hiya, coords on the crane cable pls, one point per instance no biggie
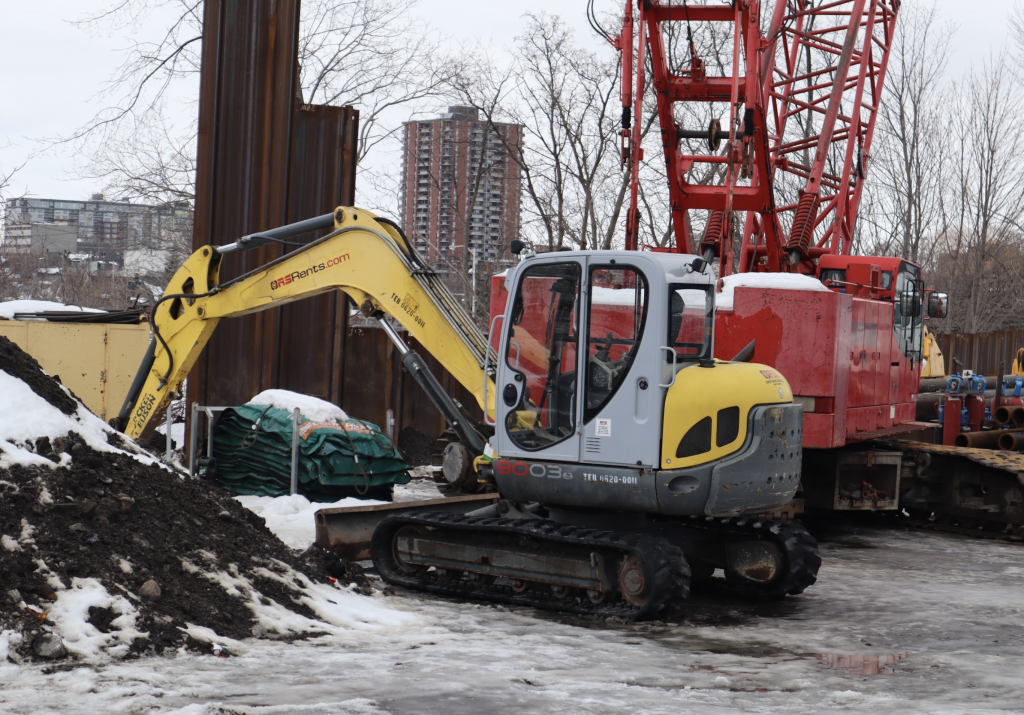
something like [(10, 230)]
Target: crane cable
[(595, 25)]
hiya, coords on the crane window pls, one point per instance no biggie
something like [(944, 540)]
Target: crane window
[(691, 320), (907, 311), (543, 343), (615, 323)]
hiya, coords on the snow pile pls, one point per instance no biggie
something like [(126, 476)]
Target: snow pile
[(291, 517), (311, 408), (781, 281), (9, 308), (34, 407), (177, 434), (70, 614), (36, 418)]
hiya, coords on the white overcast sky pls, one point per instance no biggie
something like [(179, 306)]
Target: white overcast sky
[(53, 70)]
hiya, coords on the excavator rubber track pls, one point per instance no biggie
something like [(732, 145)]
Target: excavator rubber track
[(532, 562), (798, 550)]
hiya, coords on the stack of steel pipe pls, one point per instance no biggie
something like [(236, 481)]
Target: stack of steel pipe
[(928, 404), (1010, 414), (990, 439)]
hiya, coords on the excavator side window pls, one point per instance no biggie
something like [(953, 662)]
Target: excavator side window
[(543, 344), (616, 317), (690, 321)]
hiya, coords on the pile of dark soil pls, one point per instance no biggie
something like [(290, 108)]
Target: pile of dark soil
[(416, 447), (110, 517), (17, 363)]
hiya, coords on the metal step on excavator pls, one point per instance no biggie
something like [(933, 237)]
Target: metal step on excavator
[(627, 464)]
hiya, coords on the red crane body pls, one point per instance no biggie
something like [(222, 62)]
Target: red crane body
[(798, 102), (786, 174)]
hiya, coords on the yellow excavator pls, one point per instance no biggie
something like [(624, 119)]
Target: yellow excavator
[(629, 462)]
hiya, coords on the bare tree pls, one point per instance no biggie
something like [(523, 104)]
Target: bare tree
[(979, 243), (566, 98), (373, 54), (911, 147)]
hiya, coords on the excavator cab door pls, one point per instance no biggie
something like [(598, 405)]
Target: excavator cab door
[(580, 361), (538, 405)]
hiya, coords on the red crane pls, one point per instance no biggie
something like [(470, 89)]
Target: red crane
[(802, 96)]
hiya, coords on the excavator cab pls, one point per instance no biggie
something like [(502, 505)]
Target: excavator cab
[(609, 395), (590, 337)]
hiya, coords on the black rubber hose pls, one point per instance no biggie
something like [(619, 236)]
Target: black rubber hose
[(412, 252)]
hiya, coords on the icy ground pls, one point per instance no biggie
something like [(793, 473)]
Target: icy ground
[(954, 606)]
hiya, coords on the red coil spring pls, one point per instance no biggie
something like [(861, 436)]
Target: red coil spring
[(803, 222), (714, 232)]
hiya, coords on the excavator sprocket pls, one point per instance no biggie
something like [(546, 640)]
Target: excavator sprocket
[(794, 565), (532, 562)]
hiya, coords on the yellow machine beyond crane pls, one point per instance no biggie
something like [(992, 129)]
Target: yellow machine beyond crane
[(629, 462)]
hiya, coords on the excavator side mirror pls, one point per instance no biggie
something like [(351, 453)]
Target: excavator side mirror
[(698, 265), (517, 247), (938, 305)]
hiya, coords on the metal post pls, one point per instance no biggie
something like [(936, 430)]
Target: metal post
[(473, 314), (295, 451), (193, 439), (390, 426), (170, 421)]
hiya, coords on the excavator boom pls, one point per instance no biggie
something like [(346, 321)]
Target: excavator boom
[(365, 256)]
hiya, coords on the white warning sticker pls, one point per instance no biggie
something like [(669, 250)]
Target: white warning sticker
[(892, 412), (603, 428)]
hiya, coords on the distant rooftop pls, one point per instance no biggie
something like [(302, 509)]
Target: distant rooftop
[(462, 113)]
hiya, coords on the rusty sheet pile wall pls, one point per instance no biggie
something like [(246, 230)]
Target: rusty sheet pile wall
[(981, 352), (265, 159)]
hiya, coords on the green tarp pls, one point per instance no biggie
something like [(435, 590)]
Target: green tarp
[(252, 445)]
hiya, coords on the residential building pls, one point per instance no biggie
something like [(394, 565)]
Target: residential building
[(461, 187), (102, 230), (41, 239)]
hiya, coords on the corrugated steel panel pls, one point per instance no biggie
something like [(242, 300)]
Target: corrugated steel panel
[(981, 352), (265, 161), (247, 91)]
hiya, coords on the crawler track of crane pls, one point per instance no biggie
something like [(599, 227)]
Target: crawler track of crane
[(559, 567)]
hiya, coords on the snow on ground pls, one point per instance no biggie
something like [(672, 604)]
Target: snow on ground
[(35, 417), (9, 308), (783, 281), (291, 517), (954, 606), (312, 408)]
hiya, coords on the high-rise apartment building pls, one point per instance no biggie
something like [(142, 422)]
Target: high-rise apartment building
[(461, 189)]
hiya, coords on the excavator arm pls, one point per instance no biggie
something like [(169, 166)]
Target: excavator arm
[(366, 257)]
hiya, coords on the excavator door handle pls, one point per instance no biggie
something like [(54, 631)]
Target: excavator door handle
[(672, 361)]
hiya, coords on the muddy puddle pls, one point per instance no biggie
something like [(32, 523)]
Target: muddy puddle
[(860, 664)]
